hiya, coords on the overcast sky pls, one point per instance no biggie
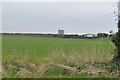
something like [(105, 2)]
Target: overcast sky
[(73, 17), (60, 0)]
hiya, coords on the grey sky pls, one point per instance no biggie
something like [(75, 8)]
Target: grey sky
[(0, 17), (74, 17), (60, 0)]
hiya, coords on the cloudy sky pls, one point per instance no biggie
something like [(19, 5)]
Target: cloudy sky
[(60, 0), (48, 17)]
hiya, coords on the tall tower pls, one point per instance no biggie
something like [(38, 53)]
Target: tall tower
[(60, 33)]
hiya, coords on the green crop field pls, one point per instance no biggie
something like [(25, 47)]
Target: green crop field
[(25, 56)]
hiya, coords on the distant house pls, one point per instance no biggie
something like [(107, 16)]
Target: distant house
[(89, 35)]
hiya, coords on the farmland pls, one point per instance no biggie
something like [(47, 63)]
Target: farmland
[(23, 56)]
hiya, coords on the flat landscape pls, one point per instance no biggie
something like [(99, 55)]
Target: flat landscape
[(46, 57)]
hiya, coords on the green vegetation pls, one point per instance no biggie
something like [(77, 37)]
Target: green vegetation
[(27, 56), (116, 41)]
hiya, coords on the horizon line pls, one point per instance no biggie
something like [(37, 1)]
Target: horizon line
[(52, 33)]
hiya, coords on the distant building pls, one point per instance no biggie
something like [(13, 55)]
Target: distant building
[(61, 32), (89, 35)]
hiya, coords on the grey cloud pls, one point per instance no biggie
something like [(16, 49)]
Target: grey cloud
[(49, 17)]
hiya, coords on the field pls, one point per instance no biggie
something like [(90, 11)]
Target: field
[(45, 57)]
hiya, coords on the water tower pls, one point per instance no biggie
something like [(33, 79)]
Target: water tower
[(60, 33)]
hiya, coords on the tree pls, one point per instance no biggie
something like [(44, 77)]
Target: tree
[(116, 41), (111, 33), (102, 35)]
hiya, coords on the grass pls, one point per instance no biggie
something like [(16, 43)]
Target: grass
[(36, 50)]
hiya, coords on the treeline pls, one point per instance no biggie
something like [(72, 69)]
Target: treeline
[(104, 35), (35, 34), (98, 35)]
